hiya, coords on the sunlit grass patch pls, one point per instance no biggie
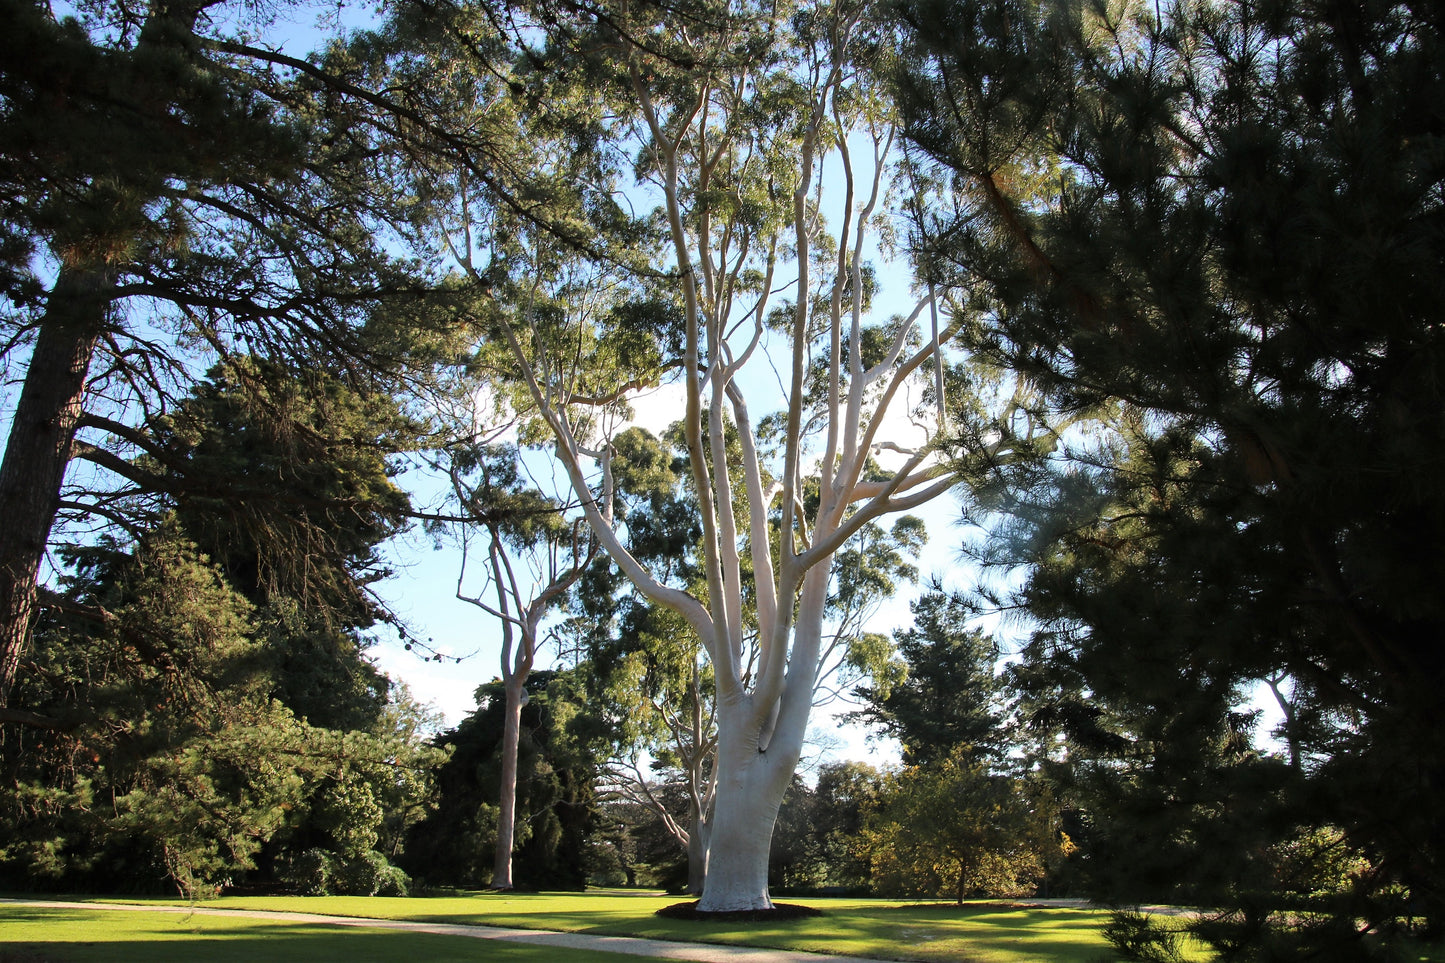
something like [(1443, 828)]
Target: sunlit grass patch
[(880, 929), (62, 935), (981, 932)]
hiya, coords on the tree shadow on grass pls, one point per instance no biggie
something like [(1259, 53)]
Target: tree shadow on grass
[(23, 954)]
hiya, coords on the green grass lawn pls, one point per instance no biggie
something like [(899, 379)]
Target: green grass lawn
[(978, 933), (881, 929), (58, 935)]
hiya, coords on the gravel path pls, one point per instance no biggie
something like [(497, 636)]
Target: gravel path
[(665, 949)]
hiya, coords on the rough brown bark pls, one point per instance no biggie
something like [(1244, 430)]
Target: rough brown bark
[(39, 448), (51, 402)]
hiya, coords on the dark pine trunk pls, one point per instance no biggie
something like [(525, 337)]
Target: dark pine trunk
[(39, 446)]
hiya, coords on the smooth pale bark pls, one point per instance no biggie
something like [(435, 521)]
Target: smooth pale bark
[(698, 835), (750, 791), (701, 790), (39, 448), (517, 657), (507, 804), (759, 745)]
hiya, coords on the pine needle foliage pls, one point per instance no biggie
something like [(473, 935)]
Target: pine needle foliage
[(1217, 228)]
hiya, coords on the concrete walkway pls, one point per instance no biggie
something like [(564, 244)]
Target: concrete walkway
[(634, 946)]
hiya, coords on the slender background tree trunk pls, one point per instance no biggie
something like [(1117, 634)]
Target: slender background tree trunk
[(39, 447), (699, 830), (507, 818)]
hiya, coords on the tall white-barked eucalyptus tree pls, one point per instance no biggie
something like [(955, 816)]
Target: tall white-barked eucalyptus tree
[(748, 118)]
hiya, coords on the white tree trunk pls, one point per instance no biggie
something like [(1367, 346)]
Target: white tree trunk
[(750, 790), (749, 506), (757, 754), (737, 874)]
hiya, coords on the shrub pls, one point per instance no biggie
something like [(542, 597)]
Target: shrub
[(369, 875), (310, 873), (1137, 937)]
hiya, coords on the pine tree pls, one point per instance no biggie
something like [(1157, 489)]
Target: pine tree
[(164, 200), (950, 698), (1235, 262)]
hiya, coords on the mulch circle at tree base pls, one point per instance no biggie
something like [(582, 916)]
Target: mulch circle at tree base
[(780, 911)]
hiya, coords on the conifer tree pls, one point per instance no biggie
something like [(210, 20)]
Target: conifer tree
[(1235, 261), (163, 201), (207, 673), (949, 698)]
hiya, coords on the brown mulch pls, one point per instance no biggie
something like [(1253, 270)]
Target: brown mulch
[(779, 912)]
